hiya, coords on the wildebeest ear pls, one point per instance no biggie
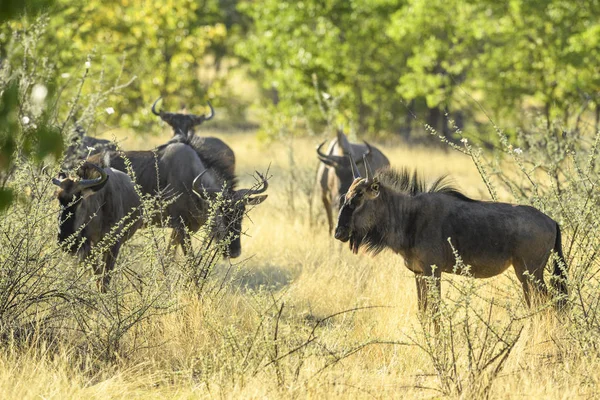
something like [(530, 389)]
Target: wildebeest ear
[(253, 201)]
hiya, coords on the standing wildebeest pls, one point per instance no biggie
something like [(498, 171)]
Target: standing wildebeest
[(171, 171), (334, 175), (394, 210), (183, 131), (91, 208)]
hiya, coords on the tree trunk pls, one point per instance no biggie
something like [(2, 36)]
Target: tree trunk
[(597, 122), (433, 119)]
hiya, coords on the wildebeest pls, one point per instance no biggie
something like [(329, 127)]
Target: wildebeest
[(99, 202), (81, 146), (334, 174), (394, 210), (183, 131), (232, 208), (170, 171)]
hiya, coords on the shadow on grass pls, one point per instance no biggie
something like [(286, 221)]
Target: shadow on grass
[(263, 277)]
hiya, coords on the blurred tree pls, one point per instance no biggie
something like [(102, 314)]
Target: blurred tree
[(541, 54), (441, 41), (342, 43), (382, 57), (162, 43), (26, 90)]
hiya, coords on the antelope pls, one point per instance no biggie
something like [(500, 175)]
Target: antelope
[(394, 210), (96, 203)]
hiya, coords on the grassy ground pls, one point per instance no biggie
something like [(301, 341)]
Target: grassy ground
[(273, 331)]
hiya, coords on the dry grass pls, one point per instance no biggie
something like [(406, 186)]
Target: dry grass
[(294, 276)]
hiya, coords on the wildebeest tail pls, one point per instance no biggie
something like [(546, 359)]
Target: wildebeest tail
[(560, 269)]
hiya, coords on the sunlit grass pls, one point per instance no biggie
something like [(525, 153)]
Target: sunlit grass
[(221, 345)]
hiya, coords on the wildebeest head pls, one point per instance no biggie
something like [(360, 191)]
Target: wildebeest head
[(182, 124), (70, 194), (231, 208), (357, 212), (341, 165)]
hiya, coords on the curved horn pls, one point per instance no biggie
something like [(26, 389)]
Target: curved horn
[(355, 172), (369, 176), (250, 192), (319, 152), (89, 183), (196, 180), (198, 189), (212, 111), (330, 160), (154, 107), (198, 119)]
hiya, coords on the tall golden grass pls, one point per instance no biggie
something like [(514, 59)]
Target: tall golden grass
[(274, 331)]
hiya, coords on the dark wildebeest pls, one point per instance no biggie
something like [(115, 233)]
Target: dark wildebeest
[(170, 171), (334, 175), (394, 210), (231, 209), (81, 146), (183, 131), (99, 202)]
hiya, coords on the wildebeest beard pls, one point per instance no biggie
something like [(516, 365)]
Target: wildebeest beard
[(372, 240), (67, 223)]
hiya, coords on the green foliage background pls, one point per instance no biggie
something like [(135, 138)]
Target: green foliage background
[(384, 67)]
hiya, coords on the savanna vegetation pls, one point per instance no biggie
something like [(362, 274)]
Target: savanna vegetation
[(504, 97)]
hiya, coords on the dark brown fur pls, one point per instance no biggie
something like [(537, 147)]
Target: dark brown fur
[(395, 210), (170, 171), (91, 214)]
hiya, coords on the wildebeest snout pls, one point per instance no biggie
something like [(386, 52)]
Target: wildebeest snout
[(342, 233)]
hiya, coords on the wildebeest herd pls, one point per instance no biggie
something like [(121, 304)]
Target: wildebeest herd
[(378, 207)]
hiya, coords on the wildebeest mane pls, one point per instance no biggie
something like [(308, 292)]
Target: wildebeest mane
[(402, 180)]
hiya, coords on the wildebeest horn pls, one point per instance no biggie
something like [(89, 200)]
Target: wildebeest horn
[(319, 152), (89, 183), (212, 111), (198, 119), (154, 107), (330, 160), (368, 171), (250, 192), (355, 172), (198, 188)]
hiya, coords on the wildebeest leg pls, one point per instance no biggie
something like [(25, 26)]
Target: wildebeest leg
[(328, 211), (100, 269), (425, 281), (179, 236), (429, 279), (531, 275), (105, 268), (421, 292)]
